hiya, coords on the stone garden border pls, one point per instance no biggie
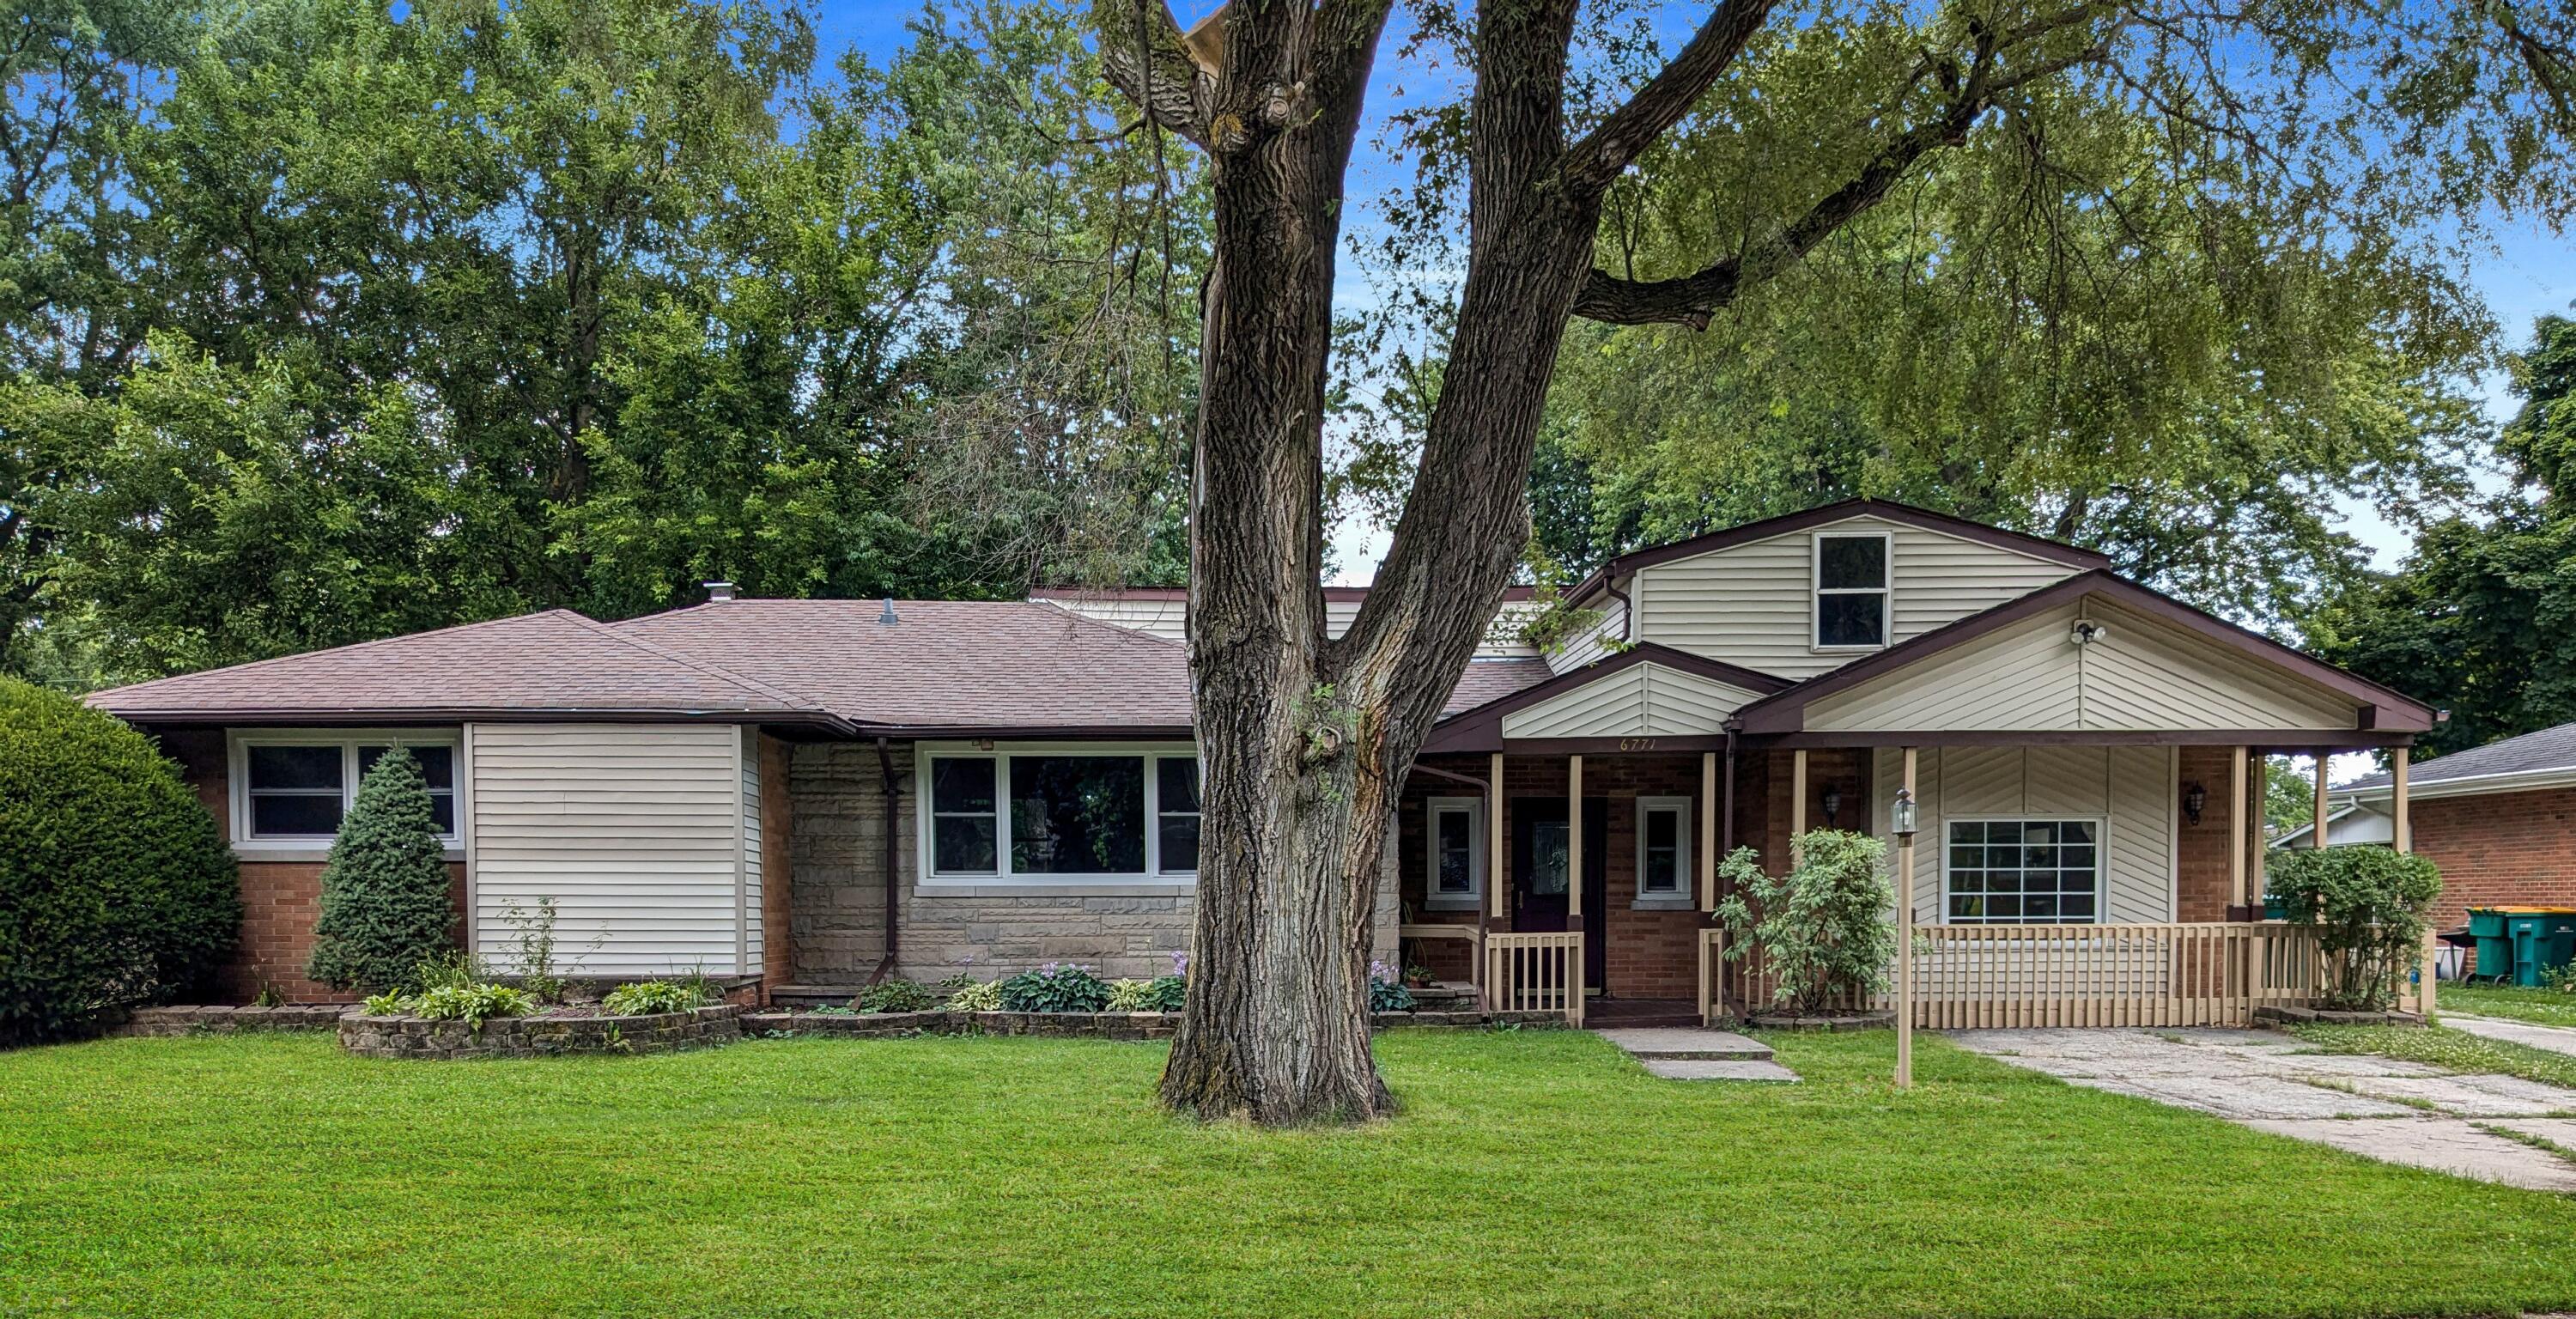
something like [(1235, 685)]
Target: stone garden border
[(530, 1037), (1084, 1025)]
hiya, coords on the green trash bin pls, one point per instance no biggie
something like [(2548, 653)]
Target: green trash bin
[(2544, 938), (2495, 945)]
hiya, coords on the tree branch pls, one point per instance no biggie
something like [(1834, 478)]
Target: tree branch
[(1615, 143), (1142, 54), (1692, 299)]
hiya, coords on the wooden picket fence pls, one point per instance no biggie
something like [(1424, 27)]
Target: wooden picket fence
[(1535, 972), (1969, 977)]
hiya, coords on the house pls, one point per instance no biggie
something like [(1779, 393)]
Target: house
[(2499, 819), (815, 792)]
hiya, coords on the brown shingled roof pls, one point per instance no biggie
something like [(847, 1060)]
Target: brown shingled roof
[(969, 668), (551, 663)]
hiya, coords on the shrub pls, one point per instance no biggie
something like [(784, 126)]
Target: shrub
[(533, 959), (975, 996), (1826, 929), (2369, 905), (1387, 995), (2560, 978), (896, 995), (1055, 988), (472, 1004), (116, 888), (385, 907), (1164, 994), (645, 998), (452, 968)]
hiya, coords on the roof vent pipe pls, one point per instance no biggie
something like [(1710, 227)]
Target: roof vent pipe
[(719, 592), (888, 617)]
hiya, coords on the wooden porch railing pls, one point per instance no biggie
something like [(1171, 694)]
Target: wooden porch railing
[(1535, 972), (1969, 977)]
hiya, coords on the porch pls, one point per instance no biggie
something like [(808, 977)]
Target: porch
[(2103, 886)]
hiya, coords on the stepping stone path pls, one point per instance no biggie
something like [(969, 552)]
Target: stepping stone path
[(1693, 1053), (2381, 1108)]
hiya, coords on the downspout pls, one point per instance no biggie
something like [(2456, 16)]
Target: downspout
[(1627, 607), (893, 797)]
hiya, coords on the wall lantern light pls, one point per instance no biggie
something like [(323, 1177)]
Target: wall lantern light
[(1901, 816), (2195, 799), (1833, 805)]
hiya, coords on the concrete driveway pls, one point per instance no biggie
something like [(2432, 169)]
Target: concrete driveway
[(2400, 1112)]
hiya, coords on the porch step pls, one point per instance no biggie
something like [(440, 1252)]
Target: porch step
[(814, 996), (1692, 1043)]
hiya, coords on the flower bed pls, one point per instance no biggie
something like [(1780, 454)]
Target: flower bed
[(555, 1031)]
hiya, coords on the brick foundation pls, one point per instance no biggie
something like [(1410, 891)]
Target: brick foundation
[(280, 899)]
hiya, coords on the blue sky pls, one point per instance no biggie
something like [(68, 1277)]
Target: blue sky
[(2531, 273)]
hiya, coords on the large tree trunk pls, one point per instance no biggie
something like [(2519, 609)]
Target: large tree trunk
[(1306, 739)]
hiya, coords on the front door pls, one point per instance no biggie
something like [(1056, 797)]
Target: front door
[(1539, 855)]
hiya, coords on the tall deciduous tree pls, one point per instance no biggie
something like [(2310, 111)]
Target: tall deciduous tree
[(2476, 620), (1307, 737)]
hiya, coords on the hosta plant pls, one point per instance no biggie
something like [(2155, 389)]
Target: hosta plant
[(649, 997), (1055, 987), (897, 995), (472, 1004)]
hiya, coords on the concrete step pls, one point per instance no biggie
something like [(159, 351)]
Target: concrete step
[(1695, 1043)]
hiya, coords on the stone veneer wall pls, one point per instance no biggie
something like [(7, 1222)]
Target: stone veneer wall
[(837, 894), (528, 1037)]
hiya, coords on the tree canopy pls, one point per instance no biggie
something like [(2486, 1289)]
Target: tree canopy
[(2475, 620), (331, 319)]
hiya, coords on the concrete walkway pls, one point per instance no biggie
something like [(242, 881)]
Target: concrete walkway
[(2556, 1039), (1694, 1053), (2400, 1112)]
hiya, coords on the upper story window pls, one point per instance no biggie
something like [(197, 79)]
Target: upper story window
[(1851, 590), (296, 787), (1049, 814), (1456, 842)]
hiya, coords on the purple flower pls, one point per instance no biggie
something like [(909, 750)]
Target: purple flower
[(1180, 963)]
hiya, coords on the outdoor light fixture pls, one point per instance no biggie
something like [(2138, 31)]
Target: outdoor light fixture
[(1833, 805), (1900, 816), (2194, 798)]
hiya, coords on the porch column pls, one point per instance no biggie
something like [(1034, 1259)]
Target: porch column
[(1574, 840), (2236, 814), (2259, 769), (1797, 804), (1497, 871), (1708, 831), (2318, 837), (2405, 830), (1905, 940)]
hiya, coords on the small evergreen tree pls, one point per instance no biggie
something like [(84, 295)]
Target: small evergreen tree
[(1825, 929), (385, 906)]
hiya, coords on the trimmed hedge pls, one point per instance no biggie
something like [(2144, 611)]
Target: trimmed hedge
[(116, 888)]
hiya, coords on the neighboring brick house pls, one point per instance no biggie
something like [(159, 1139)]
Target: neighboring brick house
[(2500, 820), (814, 793)]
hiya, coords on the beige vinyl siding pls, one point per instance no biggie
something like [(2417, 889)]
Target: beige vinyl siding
[(2143, 675), (1168, 619), (1594, 642), (1642, 699), (2130, 789), (635, 830), (1754, 604)]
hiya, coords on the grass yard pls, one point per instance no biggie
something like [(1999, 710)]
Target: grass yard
[(2451, 1050), (2547, 1007), (1539, 1173)]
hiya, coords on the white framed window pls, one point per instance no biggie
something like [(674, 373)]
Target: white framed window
[(1454, 848), (1058, 813), (290, 788), (1853, 592), (1664, 852), (2022, 871)]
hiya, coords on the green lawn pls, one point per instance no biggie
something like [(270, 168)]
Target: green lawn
[(2549, 1007), (1538, 1173), (2451, 1050)]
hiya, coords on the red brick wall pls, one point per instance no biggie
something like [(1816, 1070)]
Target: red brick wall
[(2203, 879), (279, 898), (2504, 849)]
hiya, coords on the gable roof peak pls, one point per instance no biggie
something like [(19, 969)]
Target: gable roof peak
[(2073, 556)]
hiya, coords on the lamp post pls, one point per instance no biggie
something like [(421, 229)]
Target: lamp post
[(1901, 823)]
